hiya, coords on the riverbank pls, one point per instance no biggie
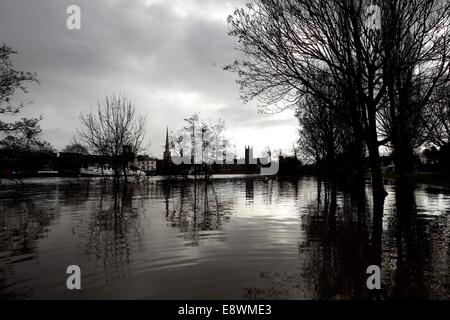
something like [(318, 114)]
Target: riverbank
[(441, 179)]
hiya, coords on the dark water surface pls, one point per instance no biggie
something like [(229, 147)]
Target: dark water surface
[(232, 238)]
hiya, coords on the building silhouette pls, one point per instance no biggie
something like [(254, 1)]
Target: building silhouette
[(249, 155)]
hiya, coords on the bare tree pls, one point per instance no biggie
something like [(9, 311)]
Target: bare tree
[(437, 120), (113, 130), (178, 142), (292, 46), (207, 141), (326, 134), (204, 142), (415, 36), (191, 128), (219, 143)]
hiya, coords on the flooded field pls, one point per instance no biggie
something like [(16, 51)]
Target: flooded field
[(228, 239)]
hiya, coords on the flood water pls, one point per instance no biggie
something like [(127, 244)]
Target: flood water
[(230, 239)]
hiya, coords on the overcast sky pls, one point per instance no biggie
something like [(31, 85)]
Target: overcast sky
[(167, 56)]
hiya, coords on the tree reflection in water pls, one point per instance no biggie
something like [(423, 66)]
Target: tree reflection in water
[(343, 233), (114, 230), (23, 221), (260, 238), (195, 208), (417, 248), (335, 246)]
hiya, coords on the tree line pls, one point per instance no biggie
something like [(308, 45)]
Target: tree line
[(359, 78), (113, 129)]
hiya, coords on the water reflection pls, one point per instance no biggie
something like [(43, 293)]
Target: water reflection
[(23, 222), (344, 234), (335, 249), (249, 195), (196, 208), (114, 230), (417, 246), (236, 238)]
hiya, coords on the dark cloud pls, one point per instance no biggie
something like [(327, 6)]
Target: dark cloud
[(167, 56)]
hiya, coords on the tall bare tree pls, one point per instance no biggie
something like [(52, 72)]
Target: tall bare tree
[(191, 129), (113, 130), (436, 118), (415, 37), (293, 48), (204, 142)]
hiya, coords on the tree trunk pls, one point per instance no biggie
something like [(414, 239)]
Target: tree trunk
[(379, 192), (374, 154)]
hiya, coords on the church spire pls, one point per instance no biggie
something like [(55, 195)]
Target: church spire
[(167, 139), (167, 155)]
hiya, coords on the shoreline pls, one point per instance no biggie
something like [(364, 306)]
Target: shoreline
[(440, 179)]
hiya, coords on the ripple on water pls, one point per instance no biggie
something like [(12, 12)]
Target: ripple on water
[(238, 238)]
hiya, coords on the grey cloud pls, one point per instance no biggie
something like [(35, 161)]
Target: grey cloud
[(168, 63)]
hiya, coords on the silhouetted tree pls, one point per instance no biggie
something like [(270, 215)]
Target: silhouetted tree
[(178, 142), (113, 130), (75, 147), (26, 138), (205, 143), (191, 130), (437, 120), (12, 80), (416, 58), (290, 47), (326, 134)]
